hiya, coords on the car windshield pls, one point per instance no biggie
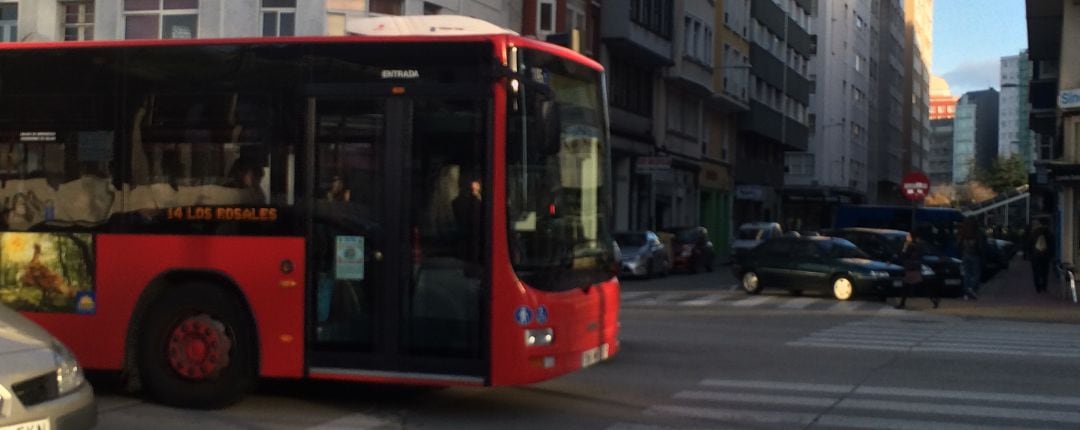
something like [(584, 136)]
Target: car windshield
[(751, 233), (840, 248), (629, 240)]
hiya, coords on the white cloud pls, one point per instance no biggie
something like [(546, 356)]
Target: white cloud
[(974, 75)]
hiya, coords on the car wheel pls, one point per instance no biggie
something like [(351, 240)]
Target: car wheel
[(842, 288), (650, 270), (750, 283)]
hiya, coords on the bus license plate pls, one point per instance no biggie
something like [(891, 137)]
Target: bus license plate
[(591, 357), (953, 282), (33, 425)]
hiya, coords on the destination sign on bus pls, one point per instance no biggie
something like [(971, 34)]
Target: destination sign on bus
[(211, 213)]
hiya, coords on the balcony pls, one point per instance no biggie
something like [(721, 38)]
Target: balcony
[(622, 34)]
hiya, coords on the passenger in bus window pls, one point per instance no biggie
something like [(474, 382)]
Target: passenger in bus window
[(247, 175), (338, 192), (468, 212)]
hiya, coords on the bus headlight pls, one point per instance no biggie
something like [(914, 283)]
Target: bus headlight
[(539, 337), (69, 374)]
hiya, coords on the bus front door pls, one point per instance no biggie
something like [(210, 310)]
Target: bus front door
[(398, 237)]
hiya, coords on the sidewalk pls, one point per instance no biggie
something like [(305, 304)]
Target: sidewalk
[(1011, 295)]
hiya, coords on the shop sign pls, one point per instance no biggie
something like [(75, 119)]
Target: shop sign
[(750, 192), (1069, 99)]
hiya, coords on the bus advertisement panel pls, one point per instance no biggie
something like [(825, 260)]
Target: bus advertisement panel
[(411, 209)]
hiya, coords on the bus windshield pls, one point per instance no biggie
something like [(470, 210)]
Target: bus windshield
[(557, 185)]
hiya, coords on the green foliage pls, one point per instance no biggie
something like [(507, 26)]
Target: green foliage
[(1006, 174)]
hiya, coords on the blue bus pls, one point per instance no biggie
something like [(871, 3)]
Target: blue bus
[(938, 225)]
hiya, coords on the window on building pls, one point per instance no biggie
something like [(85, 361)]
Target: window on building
[(654, 15), (161, 19), (9, 22), (279, 17), (388, 7), (78, 19), (576, 21), (545, 22), (631, 87)]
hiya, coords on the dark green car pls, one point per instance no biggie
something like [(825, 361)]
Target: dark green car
[(816, 264)]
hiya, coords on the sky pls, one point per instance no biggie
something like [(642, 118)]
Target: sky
[(971, 36)]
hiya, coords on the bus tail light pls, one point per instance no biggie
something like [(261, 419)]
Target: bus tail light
[(539, 337)]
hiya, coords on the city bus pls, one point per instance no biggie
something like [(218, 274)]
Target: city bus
[(403, 206)]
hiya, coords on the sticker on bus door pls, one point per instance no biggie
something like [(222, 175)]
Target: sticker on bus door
[(349, 261)]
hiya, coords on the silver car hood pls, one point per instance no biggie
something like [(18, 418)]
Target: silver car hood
[(20, 334)]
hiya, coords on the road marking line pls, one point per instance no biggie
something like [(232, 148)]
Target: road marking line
[(858, 341), (799, 303), (720, 414), (704, 301), (872, 335), (849, 346), (990, 345), (969, 395), (775, 385), (896, 424), (751, 301), (961, 410), (633, 295), (755, 398), (844, 306)]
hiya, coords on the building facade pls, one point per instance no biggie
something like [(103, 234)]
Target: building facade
[(638, 42), (918, 51), (1053, 29), (941, 165), (942, 102), (886, 106), (838, 151), (1014, 134), (975, 134), (775, 124)]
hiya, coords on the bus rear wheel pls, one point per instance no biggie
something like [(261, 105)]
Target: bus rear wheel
[(197, 348)]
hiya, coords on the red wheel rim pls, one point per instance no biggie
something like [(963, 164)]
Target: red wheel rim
[(199, 347)]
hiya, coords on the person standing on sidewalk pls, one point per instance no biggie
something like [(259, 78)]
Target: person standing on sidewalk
[(912, 259), (972, 242), (1038, 248)]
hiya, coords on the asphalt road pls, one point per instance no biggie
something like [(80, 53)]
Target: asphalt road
[(697, 355)]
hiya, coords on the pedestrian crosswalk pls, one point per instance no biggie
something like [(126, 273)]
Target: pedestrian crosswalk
[(950, 335), (741, 300), (726, 403)]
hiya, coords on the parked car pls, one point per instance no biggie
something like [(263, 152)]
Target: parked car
[(752, 234), (41, 384), (887, 245), (816, 263), (642, 254), (692, 249)]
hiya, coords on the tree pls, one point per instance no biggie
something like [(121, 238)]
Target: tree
[(1006, 174)]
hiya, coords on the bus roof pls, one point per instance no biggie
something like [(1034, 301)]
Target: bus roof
[(423, 25)]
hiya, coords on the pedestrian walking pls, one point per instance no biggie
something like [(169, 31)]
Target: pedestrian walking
[(912, 259), (1037, 250), (972, 242)]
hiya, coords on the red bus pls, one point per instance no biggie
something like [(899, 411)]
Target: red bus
[(416, 209)]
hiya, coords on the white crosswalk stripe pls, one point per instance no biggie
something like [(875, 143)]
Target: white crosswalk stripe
[(799, 303), (716, 403), (740, 300), (949, 336)]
